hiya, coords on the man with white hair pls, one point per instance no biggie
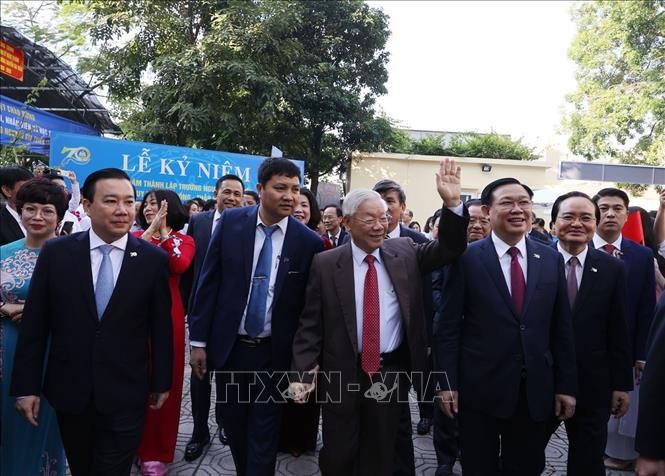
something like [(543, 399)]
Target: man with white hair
[(362, 327)]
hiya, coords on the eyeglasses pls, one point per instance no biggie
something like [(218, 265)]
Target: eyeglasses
[(584, 219), (510, 204), (383, 221), (30, 211)]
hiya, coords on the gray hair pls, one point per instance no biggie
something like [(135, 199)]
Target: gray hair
[(357, 197)]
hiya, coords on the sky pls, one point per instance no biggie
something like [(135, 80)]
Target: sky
[(480, 66)]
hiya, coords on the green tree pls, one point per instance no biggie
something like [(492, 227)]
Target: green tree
[(619, 105), (302, 75)]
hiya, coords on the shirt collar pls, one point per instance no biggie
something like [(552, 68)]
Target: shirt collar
[(282, 224), (359, 255), (396, 232), (216, 216), (96, 241), (599, 242), (566, 256), (502, 247)]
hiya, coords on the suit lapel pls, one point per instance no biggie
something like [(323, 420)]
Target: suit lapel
[(289, 248), (395, 267), (533, 273), (248, 237), (82, 260), (345, 287), (494, 270), (129, 269)]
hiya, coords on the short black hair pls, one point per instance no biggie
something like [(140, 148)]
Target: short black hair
[(53, 176), (387, 185), (255, 195), (559, 200), (188, 205), (229, 177), (12, 174), (611, 192), (210, 204), (474, 202), (314, 212), (176, 215), (337, 208), (486, 195), (200, 201), (277, 166), (88, 189), (43, 191)]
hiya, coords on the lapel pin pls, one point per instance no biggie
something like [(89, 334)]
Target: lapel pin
[(536, 255), (132, 253), (594, 270)]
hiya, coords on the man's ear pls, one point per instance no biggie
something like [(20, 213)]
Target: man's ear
[(86, 204)]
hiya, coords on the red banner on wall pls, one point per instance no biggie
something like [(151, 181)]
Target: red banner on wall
[(11, 61)]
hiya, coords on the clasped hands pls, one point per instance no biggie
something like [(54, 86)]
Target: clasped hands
[(300, 391)]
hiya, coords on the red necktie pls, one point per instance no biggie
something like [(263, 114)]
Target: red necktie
[(517, 284), (370, 359), (609, 249)]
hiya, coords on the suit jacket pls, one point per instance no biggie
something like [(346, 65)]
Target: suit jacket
[(602, 347), (650, 437), (327, 332), (223, 289), (484, 346), (200, 228), (10, 229), (343, 237), (108, 359)]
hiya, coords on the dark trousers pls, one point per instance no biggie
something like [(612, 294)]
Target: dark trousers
[(246, 399), (424, 385), (405, 463), (521, 440), (587, 437), (360, 434), (445, 438), (199, 391), (100, 443)]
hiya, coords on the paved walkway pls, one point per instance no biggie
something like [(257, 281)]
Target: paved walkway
[(217, 458)]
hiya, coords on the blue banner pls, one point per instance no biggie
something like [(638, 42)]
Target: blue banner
[(188, 172), (27, 126)]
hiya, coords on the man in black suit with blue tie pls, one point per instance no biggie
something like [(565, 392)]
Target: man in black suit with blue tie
[(245, 312), (99, 302), (229, 191), (505, 341), (596, 291)]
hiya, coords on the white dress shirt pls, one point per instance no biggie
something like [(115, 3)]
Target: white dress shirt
[(117, 254), (277, 243), (502, 248), (390, 316), (17, 217), (395, 233), (581, 257), (215, 219), (598, 242)]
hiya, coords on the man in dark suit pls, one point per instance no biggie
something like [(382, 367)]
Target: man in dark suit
[(650, 437), (229, 191), (505, 341), (363, 326), (99, 300), (332, 222), (638, 263), (11, 179), (596, 291), (246, 309)]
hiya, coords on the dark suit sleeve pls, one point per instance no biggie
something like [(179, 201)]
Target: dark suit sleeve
[(33, 335), (447, 331), (451, 243), (161, 332), (562, 342), (650, 437), (187, 278), (646, 306), (205, 295), (621, 373), (307, 342)]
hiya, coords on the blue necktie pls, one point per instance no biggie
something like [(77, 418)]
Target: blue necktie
[(256, 308), (104, 287)]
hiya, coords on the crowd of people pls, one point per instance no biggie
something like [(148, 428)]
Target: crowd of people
[(301, 312)]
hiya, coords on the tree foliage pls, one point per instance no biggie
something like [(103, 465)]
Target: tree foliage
[(242, 76), (619, 105)]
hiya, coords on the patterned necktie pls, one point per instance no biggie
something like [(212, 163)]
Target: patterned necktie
[(256, 308), (517, 283), (334, 240), (609, 249), (104, 287), (571, 280), (370, 358)]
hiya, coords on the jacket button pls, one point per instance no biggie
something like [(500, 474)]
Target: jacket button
[(522, 327)]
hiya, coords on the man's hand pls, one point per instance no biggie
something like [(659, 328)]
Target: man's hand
[(300, 391), (158, 399), (29, 408), (620, 403), (564, 406), (639, 368), (448, 183), (197, 360), (649, 467), (448, 402)]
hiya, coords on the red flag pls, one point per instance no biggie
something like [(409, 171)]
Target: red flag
[(633, 228)]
